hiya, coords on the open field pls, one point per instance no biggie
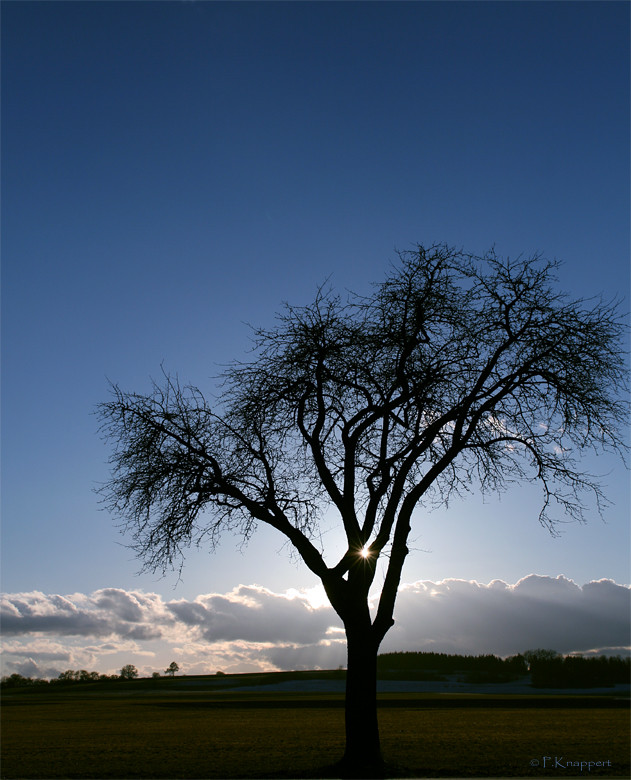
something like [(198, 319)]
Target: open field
[(144, 731)]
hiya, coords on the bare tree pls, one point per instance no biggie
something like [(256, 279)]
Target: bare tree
[(456, 371)]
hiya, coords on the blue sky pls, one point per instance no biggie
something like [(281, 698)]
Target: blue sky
[(172, 171)]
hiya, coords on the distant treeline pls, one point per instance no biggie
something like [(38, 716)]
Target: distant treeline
[(434, 666), (551, 670), (543, 668), (128, 672), (19, 681), (547, 668)]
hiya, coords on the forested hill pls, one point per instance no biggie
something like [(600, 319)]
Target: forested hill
[(546, 668), (441, 663)]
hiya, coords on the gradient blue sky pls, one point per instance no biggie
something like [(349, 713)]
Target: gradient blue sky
[(171, 171)]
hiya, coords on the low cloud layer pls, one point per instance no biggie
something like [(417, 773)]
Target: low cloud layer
[(252, 628), (462, 616)]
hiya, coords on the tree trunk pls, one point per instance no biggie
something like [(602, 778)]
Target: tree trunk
[(362, 757)]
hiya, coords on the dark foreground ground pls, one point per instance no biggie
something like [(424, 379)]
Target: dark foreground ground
[(175, 729)]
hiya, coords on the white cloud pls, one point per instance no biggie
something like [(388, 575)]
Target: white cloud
[(252, 627), (253, 613)]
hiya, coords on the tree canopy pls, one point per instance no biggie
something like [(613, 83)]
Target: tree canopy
[(128, 672), (456, 371)]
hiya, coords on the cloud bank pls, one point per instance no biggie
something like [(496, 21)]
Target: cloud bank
[(254, 629)]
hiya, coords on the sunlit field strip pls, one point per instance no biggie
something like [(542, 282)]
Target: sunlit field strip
[(178, 737)]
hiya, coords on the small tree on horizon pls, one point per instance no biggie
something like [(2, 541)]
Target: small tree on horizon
[(457, 370), (172, 669), (128, 672)]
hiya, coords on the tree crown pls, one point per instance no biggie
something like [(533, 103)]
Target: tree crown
[(456, 370)]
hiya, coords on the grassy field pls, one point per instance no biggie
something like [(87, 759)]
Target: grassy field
[(169, 733)]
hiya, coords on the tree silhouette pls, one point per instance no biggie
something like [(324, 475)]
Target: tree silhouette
[(128, 672), (456, 371), (172, 669)]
